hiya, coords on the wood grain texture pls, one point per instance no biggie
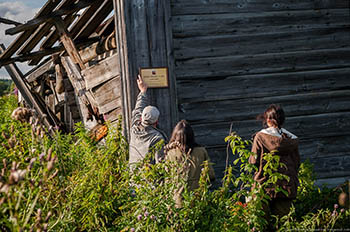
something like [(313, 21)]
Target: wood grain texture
[(149, 43), (185, 7), (100, 73), (233, 59), (263, 63)]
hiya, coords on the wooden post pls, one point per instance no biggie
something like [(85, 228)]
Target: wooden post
[(144, 39), (68, 42)]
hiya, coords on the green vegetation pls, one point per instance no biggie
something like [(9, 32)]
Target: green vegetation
[(70, 183), (5, 87)]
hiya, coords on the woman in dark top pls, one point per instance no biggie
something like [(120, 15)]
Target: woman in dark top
[(285, 144)]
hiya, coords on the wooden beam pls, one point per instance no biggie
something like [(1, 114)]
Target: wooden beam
[(39, 34), (82, 20), (68, 43), (38, 71), (43, 53), (49, 6), (8, 21), (46, 18), (95, 20)]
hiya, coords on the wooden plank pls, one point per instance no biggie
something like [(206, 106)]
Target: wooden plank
[(258, 23), (113, 115), (254, 86), (38, 71), (107, 92), (184, 7), (249, 108), (121, 16), (95, 21), (226, 45), (47, 8), (114, 104), (83, 97), (34, 23), (306, 126), (68, 43), (101, 72), (263, 63)]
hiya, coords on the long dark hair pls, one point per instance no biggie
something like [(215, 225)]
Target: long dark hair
[(275, 114), (183, 133)]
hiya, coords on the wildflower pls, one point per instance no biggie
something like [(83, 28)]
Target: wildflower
[(335, 213), (336, 206), (342, 210), (132, 229), (41, 156), (139, 217), (146, 214), (153, 217)]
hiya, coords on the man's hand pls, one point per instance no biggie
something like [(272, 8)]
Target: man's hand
[(142, 85)]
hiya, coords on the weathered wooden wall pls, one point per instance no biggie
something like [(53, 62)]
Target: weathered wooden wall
[(234, 58), (144, 38)]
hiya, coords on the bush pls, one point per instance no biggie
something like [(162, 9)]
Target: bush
[(69, 182)]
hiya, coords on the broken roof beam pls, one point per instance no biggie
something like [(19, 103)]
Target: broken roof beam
[(48, 7), (46, 52), (34, 23), (8, 21), (38, 35), (68, 42), (82, 20), (96, 20)]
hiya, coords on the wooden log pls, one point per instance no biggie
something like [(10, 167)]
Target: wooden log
[(213, 134), (255, 86), (68, 43), (249, 108), (227, 45), (34, 23), (258, 23), (101, 72), (98, 48), (263, 63), (184, 7)]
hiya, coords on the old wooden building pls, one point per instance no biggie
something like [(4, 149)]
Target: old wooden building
[(227, 60)]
